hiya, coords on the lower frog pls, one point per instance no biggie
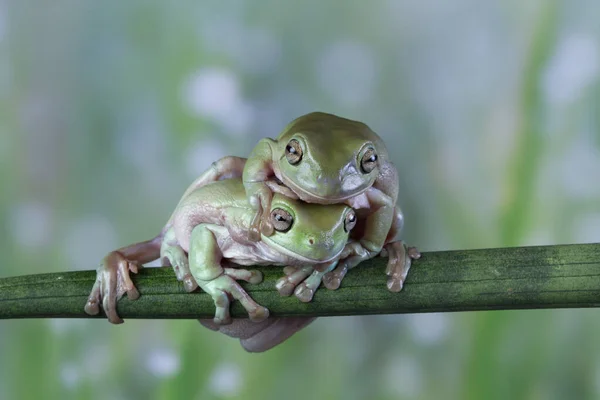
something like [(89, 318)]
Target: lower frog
[(209, 229)]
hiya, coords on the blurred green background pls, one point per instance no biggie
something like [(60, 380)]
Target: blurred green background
[(108, 110)]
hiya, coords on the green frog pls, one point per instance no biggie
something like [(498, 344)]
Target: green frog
[(209, 231)]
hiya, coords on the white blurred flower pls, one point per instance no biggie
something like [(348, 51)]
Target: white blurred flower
[(163, 362), (403, 377), (61, 326), (226, 380), (587, 228), (87, 241), (215, 93), (573, 67), (429, 329), (31, 224), (576, 168), (199, 156), (69, 375), (97, 360), (347, 72)]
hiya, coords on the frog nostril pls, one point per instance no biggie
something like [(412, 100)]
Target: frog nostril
[(311, 241)]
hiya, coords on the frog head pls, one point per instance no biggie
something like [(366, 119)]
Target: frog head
[(328, 159), (309, 232)]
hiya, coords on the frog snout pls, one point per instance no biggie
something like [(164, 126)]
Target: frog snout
[(316, 244)]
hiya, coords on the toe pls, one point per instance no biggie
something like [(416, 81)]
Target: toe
[(255, 277), (260, 314), (132, 293), (331, 281), (284, 287), (394, 284), (304, 293), (92, 308), (189, 283)]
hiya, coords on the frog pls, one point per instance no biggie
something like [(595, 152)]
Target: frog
[(207, 235), (326, 159)]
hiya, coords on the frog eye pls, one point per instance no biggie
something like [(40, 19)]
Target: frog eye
[(281, 220), (368, 161), (293, 152), (350, 221)]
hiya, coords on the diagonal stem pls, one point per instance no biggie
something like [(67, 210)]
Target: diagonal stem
[(563, 276)]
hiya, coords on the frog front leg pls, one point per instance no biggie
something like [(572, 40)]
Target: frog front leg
[(303, 281), (257, 171), (220, 283)]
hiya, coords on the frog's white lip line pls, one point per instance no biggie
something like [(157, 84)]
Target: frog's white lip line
[(329, 199), (297, 256)]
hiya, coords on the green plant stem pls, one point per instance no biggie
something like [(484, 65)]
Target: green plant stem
[(561, 276)]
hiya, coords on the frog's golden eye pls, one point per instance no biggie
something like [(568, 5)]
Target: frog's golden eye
[(281, 220), (350, 221), (293, 152), (368, 161)]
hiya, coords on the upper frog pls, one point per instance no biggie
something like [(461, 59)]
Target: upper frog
[(323, 158)]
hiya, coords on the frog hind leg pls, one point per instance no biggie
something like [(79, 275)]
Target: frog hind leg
[(220, 283), (259, 337), (113, 279)]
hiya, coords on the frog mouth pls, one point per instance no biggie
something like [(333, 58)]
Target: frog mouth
[(297, 256), (324, 200)]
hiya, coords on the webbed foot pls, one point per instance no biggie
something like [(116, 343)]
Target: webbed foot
[(332, 280), (302, 281), (294, 275), (225, 286), (112, 282), (351, 256), (399, 262)]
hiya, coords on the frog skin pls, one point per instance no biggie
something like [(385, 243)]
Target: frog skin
[(209, 229), (326, 159)]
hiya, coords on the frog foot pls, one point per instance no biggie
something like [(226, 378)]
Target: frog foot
[(352, 255), (332, 280), (177, 258), (294, 275), (303, 282), (112, 282), (399, 262), (225, 286)]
